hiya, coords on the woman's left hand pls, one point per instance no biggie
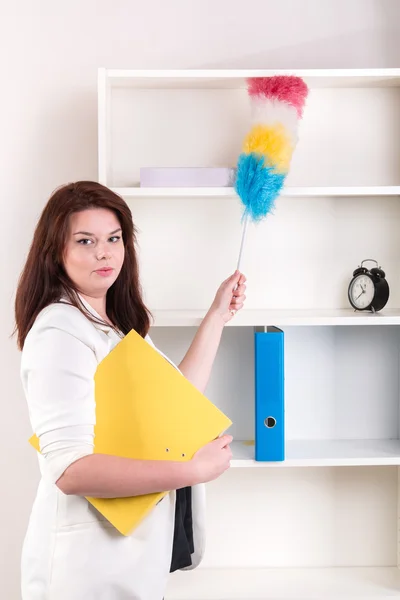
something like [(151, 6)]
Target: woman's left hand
[(227, 300)]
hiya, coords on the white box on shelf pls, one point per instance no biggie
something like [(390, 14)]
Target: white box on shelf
[(190, 177)]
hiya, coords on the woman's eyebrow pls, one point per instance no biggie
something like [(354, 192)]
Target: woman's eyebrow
[(87, 232)]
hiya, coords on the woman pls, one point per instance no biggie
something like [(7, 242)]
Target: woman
[(78, 295)]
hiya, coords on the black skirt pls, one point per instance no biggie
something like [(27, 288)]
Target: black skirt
[(183, 545)]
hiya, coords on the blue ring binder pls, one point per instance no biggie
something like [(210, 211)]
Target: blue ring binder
[(269, 395)]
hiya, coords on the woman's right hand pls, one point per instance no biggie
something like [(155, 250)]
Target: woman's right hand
[(213, 459)]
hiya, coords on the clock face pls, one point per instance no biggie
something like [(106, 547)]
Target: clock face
[(362, 291)]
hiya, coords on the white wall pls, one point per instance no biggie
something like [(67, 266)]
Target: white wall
[(49, 55)]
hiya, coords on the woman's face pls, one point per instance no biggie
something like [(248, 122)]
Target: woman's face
[(94, 252)]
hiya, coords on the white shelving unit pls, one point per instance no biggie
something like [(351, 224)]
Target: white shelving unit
[(326, 521), (289, 583), (281, 318), (323, 453), (228, 192)]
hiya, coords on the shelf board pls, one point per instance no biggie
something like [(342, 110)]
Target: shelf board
[(229, 192), (236, 78), (280, 318), (323, 453), (263, 584)]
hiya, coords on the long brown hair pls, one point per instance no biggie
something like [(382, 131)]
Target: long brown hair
[(44, 279)]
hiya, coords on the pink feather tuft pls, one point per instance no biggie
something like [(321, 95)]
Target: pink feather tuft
[(285, 88)]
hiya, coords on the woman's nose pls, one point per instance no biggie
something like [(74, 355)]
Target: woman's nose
[(103, 253)]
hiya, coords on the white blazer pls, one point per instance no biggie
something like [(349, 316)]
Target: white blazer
[(71, 552)]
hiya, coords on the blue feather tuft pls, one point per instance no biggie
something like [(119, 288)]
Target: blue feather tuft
[(257, 185)]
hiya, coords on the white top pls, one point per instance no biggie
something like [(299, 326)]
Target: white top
[(71, 552)]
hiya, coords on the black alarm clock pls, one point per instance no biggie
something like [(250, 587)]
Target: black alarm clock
[(368, 290)]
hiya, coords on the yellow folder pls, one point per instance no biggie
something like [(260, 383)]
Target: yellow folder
[(146, 409)]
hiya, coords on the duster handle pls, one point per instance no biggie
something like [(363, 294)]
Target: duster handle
[(246, 219)]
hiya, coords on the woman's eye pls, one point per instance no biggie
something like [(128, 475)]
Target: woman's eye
[(115, 238), (84, 242)]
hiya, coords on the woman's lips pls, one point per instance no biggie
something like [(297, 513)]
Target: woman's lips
[(104, 272)]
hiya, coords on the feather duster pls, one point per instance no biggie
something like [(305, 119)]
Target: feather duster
[(277, 105)]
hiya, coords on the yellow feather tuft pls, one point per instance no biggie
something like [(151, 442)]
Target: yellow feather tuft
[(273, 143)]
